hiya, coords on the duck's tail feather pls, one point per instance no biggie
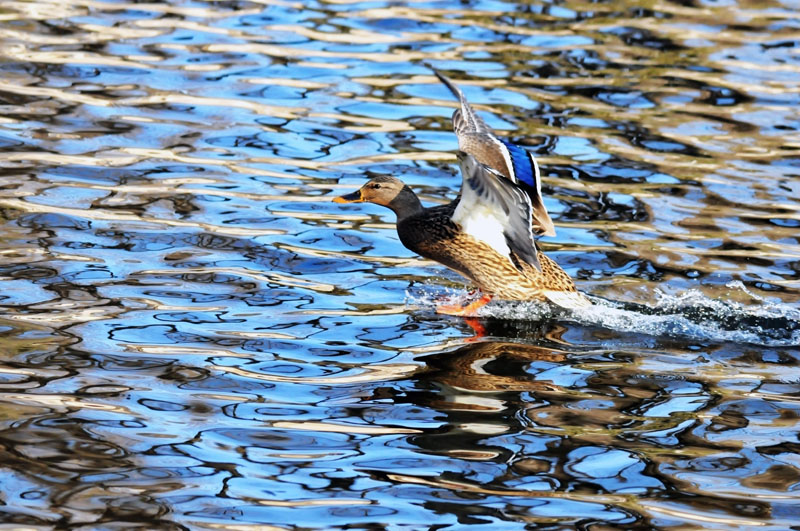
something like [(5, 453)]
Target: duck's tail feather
[(573, 300)]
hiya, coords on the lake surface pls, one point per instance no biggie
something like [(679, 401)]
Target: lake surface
[(194, 337)]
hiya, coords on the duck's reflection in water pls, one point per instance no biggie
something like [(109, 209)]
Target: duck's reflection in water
[(495, 366)]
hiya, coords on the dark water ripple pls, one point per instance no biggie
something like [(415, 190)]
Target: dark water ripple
[(194, 337)]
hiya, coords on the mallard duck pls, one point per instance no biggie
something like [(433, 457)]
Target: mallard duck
[(487, 233)]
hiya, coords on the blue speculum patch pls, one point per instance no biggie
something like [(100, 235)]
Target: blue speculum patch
[(523, 169)]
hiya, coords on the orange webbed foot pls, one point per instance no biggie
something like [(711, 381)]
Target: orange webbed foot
[(469, 310)]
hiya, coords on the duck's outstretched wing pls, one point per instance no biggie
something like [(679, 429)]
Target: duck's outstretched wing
[(515, 163), (465, 121), (496, 211)]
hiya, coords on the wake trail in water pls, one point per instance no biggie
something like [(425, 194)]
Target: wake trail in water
[(691, 315)]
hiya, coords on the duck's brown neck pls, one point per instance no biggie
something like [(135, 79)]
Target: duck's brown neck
[(405, 204)]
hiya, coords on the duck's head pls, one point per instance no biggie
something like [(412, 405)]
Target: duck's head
[(380, 190), (385, 191)]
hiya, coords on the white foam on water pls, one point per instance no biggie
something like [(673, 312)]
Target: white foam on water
[(688, 315)]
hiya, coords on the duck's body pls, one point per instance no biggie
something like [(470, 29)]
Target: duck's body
[(487, 233), (432, 233)]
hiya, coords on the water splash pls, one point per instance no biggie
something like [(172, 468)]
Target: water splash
[(691, 314)]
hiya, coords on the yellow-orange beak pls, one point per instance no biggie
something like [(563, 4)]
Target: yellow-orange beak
[(354, 197)]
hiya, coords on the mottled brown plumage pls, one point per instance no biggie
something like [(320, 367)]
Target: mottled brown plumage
[(431, 233)]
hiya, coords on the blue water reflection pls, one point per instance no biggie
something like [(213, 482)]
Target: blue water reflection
[(195, 337)]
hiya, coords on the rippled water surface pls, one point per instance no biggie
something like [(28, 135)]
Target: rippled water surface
[(195, 337)]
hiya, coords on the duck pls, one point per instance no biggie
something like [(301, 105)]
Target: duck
[(487, 233)]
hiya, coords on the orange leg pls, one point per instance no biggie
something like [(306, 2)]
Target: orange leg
[(477, 327), (464, 311)]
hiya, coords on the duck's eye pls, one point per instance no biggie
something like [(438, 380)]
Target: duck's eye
[(375, 186)]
